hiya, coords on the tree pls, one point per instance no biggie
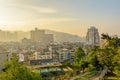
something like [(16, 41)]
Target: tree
[(105, 57), (113, 42), (107, 54), (116, 60), (92, 57), (106, 36), (84, 64), (79, 55), (15, 71)]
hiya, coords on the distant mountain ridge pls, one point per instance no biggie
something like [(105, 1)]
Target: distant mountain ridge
[(64, 37), (58, 36)]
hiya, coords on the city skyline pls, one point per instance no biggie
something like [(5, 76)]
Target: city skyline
[(69, 16)]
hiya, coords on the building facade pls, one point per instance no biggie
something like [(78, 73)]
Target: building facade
[(92, 36), (66, 55), (40, 36), (45, 56), (37, 35)]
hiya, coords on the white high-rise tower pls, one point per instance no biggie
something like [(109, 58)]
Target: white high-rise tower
[(92, 37)]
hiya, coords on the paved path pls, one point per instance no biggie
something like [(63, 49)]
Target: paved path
[(94, 78), (101, 75), (80, 76)]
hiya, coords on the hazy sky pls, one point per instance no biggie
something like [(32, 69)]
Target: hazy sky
[(71, 16)]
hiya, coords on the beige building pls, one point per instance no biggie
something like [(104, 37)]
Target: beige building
[(37, 35), (39, 56), (41, 36)]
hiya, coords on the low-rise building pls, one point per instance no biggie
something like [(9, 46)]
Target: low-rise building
[(72, 56), (41, 56), (66, 55), (23, 57)]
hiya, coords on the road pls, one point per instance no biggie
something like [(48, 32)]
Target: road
[(92, 78), (80, 76), (101, 75)]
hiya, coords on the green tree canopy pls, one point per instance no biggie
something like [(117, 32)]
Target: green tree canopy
[(93, 57), (108, 56), (79, 55), (15, 71)]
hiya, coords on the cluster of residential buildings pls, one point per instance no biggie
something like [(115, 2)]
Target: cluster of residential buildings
[(52, 54), (41, 49), (55, 53)]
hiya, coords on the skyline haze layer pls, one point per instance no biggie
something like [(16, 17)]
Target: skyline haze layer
[(69, 16)]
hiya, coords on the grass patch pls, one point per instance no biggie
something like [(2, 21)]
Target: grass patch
[(82, 78), (79, 79), (89, 75)]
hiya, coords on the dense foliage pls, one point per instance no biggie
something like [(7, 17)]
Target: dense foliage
[(15, 71), (107, 55), (79, 55), (80, 59)]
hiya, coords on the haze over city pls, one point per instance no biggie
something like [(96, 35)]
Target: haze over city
[(59, 40), (70, 16)]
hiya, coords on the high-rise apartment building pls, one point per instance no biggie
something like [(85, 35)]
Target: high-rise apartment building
[(40, 36), (92, 37), (37, 35)]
